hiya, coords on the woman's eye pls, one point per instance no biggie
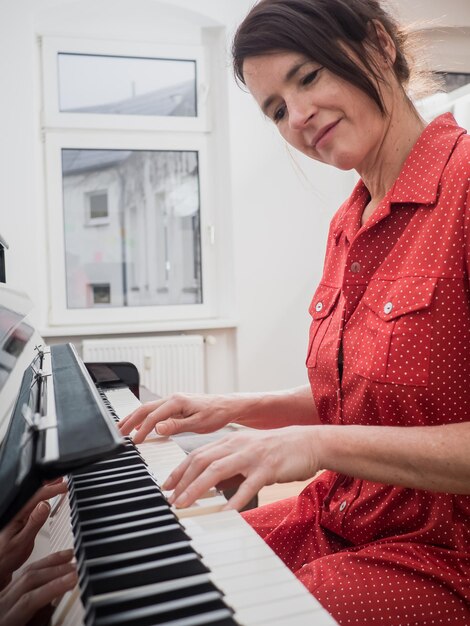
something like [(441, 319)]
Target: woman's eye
[(310, 77), (279, 114)]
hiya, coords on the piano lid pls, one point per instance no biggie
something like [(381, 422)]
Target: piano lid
[(52, 419)]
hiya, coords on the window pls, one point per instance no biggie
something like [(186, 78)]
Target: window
[(454, 80), (128, 147), (96, 202), (101, 294), (117, 85), (155, 199)]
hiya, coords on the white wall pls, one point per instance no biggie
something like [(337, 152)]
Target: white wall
[(279, 216)]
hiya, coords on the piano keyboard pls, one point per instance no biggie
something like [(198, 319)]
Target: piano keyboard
[(143, 563)]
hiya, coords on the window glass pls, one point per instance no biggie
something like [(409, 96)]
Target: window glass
[(454, 80), (97, 205), (142, 243), (101, 294), (119, 85)]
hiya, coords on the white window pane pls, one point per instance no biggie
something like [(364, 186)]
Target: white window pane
[(139, 243), (121, 85)]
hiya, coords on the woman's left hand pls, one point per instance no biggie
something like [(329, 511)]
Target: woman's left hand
[(261, 457)]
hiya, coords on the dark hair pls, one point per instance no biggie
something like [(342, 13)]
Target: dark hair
[(316, 29)]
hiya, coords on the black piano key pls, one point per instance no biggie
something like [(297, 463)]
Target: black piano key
[(142, 512), (160, 613), (147, 596), (215, 618), (135, 557), (222, 617), (117, 463), (116, 474), (171, 568), (114, 520), (124, 458), (134, 541), (110, 486), (118, 492), (127, 527), (116, 507)]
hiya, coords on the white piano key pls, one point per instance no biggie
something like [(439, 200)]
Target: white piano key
[(69, 611), (247, 581), (278, 609), (241, 544), (320, 618), (200, 620), (123, 401), (285, 590)]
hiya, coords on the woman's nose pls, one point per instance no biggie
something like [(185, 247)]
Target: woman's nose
[(300, 113)]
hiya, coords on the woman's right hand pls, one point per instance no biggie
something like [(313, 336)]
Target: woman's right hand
[(182, 413)]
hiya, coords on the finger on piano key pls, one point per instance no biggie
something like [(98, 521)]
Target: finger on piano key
[(162, 455)]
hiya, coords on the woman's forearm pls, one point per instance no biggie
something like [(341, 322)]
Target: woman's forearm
[(278, 409), (434, 458)]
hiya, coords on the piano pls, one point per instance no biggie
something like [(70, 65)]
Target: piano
[(140, 561)]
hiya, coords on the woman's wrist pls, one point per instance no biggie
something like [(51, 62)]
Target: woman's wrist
[(276, 409)]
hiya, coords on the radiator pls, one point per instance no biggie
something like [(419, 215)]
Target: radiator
[(166, 364)]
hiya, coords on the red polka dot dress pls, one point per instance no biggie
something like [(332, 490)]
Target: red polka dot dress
[(390, 345)]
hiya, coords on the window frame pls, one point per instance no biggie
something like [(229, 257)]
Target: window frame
[(53, 117), (59, 314), (62, 130)]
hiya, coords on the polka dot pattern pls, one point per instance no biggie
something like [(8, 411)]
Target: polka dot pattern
[(394, 301)]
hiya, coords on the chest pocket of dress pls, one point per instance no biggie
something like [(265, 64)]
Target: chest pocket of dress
[(321, 309), (394, 338)]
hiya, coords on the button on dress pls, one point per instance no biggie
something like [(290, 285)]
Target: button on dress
[(389, 345)]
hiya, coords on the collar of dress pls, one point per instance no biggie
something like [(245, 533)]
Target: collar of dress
[(424, 166)]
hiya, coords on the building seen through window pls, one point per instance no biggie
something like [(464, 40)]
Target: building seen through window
[(141, 237)]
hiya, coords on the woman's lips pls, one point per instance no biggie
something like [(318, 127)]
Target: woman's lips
[(325, 134)]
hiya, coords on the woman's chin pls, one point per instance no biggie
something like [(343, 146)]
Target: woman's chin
[(344, 162)]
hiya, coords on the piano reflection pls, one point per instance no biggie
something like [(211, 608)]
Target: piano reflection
[(139, 561)]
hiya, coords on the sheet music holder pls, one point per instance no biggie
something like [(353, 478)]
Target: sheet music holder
[(53, 417), (3, 247)]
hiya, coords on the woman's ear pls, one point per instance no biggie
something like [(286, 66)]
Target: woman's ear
[(385, 44)]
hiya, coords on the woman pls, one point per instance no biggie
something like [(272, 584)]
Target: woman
[(383, 535)]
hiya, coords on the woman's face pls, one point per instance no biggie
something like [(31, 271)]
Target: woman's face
[(317, 112)]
